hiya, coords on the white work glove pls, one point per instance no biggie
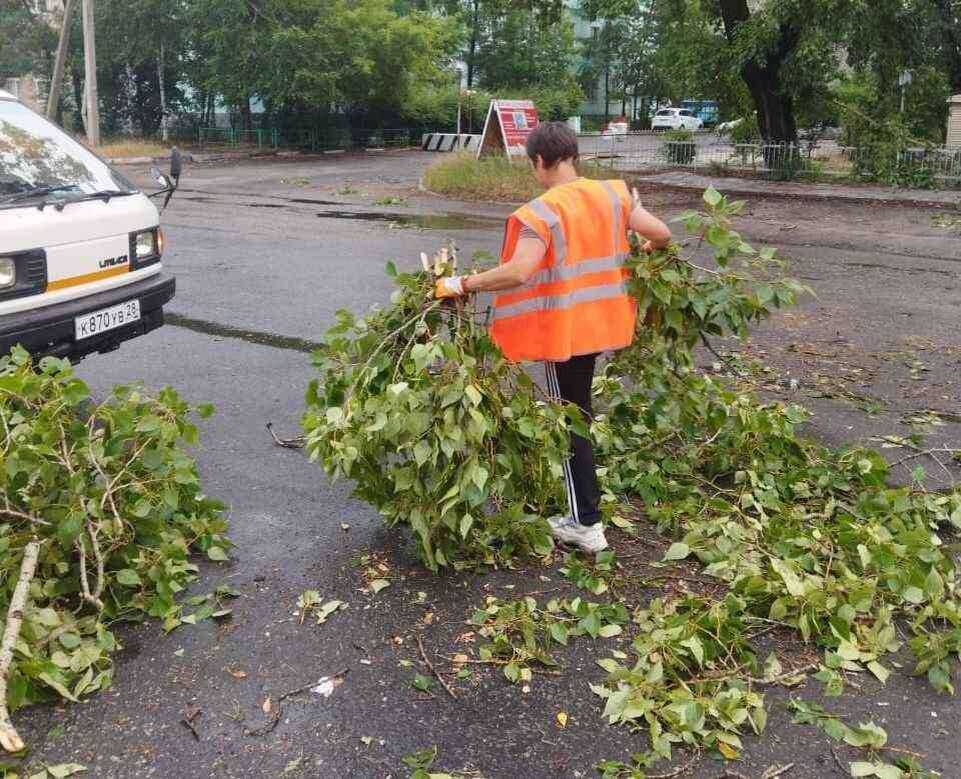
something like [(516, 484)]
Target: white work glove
[(449, 287)]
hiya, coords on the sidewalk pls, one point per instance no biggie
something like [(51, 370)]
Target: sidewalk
[(752, 187)]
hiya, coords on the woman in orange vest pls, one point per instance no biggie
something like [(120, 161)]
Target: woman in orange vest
[(564, 298)]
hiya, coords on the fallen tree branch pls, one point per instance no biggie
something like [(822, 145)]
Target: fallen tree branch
[(9, 512), (288, 443), (430, 666), (787, 675), (773, 772), (85, 592), (9, 738)]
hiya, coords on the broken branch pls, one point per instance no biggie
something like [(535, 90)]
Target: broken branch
[(430, 666), (9, 738)]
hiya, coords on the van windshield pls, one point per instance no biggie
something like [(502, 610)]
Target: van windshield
[(37, 155)]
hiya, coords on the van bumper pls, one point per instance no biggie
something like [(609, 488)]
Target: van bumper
[(49, 330)]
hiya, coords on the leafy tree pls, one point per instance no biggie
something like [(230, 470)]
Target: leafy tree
[(25, 39), (948, 25)]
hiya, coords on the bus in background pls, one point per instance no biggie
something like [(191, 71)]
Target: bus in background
[(706, 110)]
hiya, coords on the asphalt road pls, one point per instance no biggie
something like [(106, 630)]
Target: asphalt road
[(265, 253)]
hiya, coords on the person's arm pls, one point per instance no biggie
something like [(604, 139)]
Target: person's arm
[(512, 274), (657, 233), (515, 273)]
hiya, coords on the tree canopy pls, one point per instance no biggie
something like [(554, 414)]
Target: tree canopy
[(371, 62)]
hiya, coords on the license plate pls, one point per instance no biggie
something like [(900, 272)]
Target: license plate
[(105, 319)]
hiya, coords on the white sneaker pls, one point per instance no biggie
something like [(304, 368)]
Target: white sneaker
[(589, 538)]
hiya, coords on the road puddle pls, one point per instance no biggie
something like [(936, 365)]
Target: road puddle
[(422, 221)]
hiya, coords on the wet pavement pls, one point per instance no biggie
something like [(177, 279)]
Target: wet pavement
[(259, 279)]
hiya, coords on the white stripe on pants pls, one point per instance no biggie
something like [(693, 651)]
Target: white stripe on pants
[(554, 390)]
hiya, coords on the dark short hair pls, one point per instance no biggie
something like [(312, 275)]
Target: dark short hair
[(553, 142)]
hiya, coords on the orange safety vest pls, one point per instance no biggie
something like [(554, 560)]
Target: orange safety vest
[(577, 300)]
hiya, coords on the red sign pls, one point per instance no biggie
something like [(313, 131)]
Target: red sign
[(514, 120)]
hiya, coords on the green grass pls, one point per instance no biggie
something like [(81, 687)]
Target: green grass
[(464, 176)]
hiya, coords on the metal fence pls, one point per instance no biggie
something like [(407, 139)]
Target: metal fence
[(709, 153), (309, 139)]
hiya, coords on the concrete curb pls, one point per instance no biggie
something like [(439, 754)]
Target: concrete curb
[(645, 184), (918, 199), (421, 187)]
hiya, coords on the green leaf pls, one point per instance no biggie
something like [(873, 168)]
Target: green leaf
[(50, 681), (47, 617), (128, 578), (377, 585), (422, 683), (879, 671), (65, 769), (913, 595), (422, 452), (712, 197), (558, 632), (217, 553), (939, 677), (697, 648), (677, 551), (862, 768), (324, 611), (789, 577)]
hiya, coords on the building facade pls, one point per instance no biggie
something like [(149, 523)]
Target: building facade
[(954, 122), (30, 88)]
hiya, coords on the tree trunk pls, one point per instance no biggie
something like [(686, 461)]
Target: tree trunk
[(163, 95), (246, 117), (472, 51), (77, 78), (775, 108)]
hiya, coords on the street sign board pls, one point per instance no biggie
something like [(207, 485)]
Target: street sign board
[(508, 124)]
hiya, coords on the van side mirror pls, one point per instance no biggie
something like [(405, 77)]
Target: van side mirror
[(159, 177)]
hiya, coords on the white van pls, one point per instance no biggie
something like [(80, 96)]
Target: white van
[(80, 246)]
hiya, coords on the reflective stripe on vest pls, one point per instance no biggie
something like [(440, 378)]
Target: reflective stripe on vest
[(564, 273), (549, 302)]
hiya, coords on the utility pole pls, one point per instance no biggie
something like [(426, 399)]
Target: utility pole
[(53, 99), (90, 74)]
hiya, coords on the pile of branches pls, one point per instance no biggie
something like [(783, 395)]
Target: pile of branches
[(437, 430), (419, 408), (101, 509)]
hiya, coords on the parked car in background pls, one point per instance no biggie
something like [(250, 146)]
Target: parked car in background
[(676, 119), (616, 126)]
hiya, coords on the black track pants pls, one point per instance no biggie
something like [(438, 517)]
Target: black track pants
[(571, 381)]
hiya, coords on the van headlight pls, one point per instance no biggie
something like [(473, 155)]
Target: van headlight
[(8, 272), (146, 246)]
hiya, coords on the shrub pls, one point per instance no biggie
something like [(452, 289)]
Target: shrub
[(492, 178), (680, 147)]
